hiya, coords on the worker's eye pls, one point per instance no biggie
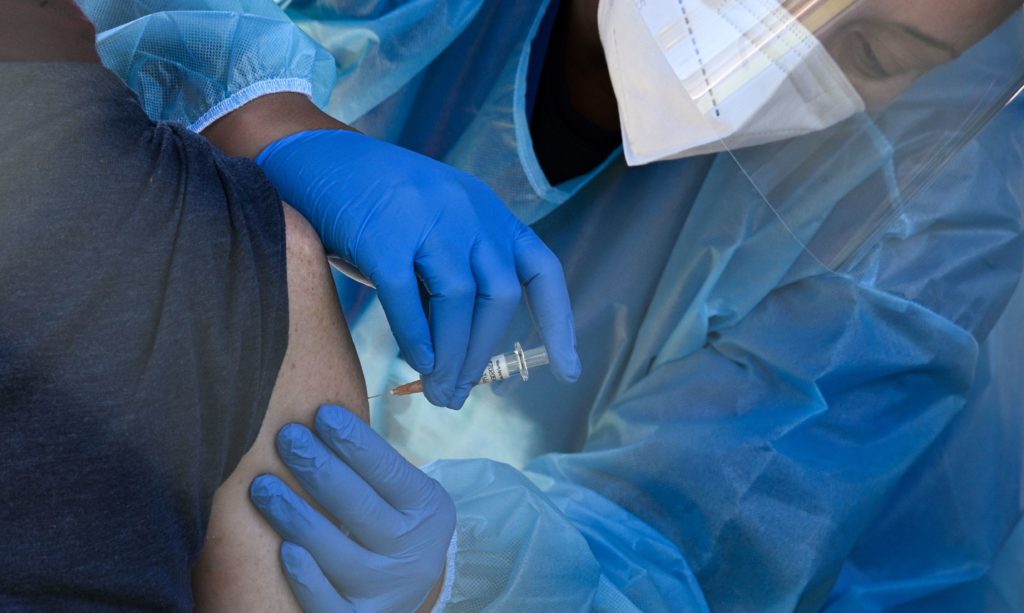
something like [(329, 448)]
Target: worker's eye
[(867, 60)]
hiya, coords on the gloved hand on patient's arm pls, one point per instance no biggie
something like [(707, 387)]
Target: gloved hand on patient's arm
[(400, 217), (397, 524)]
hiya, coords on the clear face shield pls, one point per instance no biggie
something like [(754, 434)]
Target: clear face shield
[(839, 112)]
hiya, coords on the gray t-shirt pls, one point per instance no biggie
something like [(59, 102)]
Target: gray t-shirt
[(143, 320)]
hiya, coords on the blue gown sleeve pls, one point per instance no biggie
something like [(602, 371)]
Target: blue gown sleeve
[(194, 61)]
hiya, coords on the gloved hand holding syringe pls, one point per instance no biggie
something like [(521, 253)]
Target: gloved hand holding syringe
[(500, 367)]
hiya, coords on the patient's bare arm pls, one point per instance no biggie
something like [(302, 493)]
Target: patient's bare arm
[(51, 31), (239, 568)]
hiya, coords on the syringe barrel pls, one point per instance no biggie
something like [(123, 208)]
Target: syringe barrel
[(517, 362), (502, 366)]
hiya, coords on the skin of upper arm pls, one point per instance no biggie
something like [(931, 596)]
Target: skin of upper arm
[(50, 31), (239, 568)]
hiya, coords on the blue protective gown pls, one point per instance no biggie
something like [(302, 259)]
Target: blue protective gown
[(753, 430)]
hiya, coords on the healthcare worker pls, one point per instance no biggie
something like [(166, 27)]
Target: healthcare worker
[(790, 367)]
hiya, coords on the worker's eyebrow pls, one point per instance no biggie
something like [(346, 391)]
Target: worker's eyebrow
[(929, 40)]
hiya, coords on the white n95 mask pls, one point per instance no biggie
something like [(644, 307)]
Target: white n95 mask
[(703, 76)]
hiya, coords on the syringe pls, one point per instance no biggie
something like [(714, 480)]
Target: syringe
[(501, 367)]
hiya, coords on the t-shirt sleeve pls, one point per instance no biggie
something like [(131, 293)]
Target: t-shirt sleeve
[(143, 320)]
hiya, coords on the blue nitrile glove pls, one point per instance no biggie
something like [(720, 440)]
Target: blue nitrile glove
[(395, 214), (398, 522)]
